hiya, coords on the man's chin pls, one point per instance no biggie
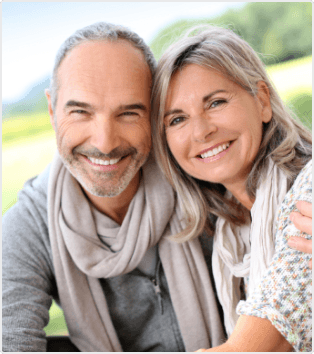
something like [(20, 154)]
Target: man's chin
[(99, 192)]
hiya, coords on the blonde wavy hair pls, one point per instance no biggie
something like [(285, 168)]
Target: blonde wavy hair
[(287, 142)]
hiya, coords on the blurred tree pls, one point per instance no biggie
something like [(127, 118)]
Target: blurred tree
[(279, 31)]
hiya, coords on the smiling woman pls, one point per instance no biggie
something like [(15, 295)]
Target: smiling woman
[(231, 116), (232, 150)]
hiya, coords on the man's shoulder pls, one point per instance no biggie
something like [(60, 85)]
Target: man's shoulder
[(25, 236), (38, 184)]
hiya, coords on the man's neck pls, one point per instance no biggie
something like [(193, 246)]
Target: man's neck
[(116, 207)]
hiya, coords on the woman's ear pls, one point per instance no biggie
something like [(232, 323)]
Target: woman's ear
[(264, 100)]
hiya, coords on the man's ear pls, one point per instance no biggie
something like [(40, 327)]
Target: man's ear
[(50, 110), (263, 97)]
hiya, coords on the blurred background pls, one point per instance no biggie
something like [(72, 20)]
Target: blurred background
[(281, 32)]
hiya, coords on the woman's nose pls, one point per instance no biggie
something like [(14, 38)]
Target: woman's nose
[(202, 128)]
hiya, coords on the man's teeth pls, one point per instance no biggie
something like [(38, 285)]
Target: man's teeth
[(215, 151), (104, 162)]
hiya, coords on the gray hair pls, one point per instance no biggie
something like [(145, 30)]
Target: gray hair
[(285, 140), (100, 31)]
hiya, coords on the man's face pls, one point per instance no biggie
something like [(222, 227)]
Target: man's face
[(101, 118)]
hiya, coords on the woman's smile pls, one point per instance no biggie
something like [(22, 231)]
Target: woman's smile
[(213, 126), (214, 153)]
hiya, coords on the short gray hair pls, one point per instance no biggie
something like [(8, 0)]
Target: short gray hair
[(99, 31), (286, 141)]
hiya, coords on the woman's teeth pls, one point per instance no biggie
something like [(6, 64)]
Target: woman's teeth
[(104, 162), (215, 151)]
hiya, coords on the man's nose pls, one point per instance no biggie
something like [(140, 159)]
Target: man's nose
[(202, 127), (105, 134)]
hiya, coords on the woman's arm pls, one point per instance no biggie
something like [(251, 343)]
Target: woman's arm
[(302, 221), (253, 334), (277, 316)]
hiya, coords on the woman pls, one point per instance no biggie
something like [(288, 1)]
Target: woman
[(230, 147)]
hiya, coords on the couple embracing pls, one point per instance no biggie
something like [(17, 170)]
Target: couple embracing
[(177, 247)]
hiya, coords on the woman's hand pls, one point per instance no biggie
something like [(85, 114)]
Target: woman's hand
[(302, 221)]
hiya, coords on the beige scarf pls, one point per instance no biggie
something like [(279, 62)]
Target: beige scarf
[(247, 250), (80, 258)]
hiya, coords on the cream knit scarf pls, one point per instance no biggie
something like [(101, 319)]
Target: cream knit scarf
[(80, 258), (247, 250)]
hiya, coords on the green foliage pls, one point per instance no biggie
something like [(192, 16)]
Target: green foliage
[(301, 104), (279, 30), (56, 325), (20, 127)]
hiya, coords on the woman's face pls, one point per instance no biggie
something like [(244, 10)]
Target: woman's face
[(213, 126)]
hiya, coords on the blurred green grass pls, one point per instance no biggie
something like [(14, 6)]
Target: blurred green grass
[(28, 144), (56, 325)]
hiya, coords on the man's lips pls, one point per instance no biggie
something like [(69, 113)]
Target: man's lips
[(104, 162), (104, 165)]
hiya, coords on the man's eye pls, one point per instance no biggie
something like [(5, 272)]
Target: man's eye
[(79, 111), (129, 113)]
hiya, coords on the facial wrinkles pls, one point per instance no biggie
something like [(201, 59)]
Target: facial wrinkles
[(118, 152), (98, 75)]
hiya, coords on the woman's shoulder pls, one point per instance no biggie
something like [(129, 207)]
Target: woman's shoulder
[(304, 178), (301, 188), (305, 174)]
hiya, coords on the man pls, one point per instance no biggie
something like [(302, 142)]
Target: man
[(91, 230)]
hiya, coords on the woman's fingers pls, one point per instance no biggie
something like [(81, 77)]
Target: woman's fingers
[(301, 244), (305, 208), (303, 219)]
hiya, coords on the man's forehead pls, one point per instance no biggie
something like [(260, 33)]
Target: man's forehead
[(104, 56), (104, 69)]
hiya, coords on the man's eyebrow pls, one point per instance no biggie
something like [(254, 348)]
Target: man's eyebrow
[(205, 99), (139, 106), (73, 103)]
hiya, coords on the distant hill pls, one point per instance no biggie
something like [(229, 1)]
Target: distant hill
[(34, 101)]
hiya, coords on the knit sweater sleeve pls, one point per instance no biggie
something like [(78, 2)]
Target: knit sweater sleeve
[(284, 295), (28, 279)]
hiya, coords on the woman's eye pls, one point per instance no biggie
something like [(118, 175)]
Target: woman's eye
[(176, 121), (217, 103)]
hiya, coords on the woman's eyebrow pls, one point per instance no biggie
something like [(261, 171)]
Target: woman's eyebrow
[(207, 97), (173, 111)]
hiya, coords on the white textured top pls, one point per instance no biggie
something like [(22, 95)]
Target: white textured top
[(284, 295)]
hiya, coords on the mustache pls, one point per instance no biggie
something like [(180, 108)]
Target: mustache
[(116, 153)]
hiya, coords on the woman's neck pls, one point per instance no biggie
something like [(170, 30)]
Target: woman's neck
[(238, 190)]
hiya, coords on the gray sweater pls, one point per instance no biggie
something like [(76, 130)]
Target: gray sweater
[(142, 315)]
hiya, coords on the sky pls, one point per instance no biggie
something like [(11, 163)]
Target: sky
[(32, 32)]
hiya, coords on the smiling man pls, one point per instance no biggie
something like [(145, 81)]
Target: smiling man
[(101, 120), (91, 230)]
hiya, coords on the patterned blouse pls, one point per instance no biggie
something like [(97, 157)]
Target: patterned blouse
[(284, 295)]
